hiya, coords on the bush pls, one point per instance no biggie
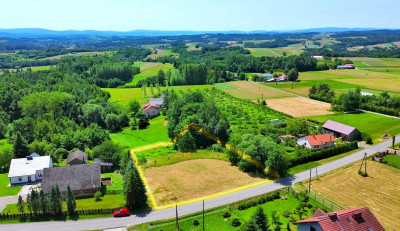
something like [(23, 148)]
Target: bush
[(196, 222), (261, 200), (226, 215), (97, 196), (287, 213), (236, 222), (142, 159)]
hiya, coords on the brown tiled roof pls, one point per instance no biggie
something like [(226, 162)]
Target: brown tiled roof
[(78, 177), (346, 220), (320, 139)]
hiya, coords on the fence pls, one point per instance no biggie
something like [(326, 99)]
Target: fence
[(7, 216), (112, 192), (317, 198)]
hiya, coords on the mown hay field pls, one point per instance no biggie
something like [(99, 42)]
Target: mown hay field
[(299, 106), (251, 90), (379, 191), (195, 178)]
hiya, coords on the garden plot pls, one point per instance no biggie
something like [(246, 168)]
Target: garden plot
[(299, 106), (379, 191), (195, 178)]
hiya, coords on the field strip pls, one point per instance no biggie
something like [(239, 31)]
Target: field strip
[(248, 158)]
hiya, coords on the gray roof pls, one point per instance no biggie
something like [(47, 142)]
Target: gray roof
[(25, 167), (99, 161), (78, 154), (78, 177), (338, 127), (156, 101)]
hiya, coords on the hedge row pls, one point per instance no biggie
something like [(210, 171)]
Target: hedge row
[(380, 109), (259, 201), (324, 153)]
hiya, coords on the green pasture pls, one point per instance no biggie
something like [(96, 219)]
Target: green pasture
[(139, 64), (149, 72), (225, 86), (369, 123), (156, 132), (393, 160)]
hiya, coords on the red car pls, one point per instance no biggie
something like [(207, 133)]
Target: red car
[(121, 213)]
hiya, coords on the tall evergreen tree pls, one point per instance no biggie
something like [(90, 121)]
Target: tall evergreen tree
[(134, 190), (20, 204), (55, 200), (260, 218), (20, 146), (250, 226), (71, 203), (44, 202)]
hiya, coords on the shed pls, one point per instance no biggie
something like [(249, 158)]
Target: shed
[(77, 157), (341, 130)]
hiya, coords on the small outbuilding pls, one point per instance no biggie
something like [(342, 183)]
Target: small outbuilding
[(84, 179), (77, 157), (340, 130)]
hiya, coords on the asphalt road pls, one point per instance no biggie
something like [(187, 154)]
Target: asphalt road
[(108, 223)]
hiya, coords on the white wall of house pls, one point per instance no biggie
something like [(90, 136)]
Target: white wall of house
[(307, 227), (303, 142), (22, 179)]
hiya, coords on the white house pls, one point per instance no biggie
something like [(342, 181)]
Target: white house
[(29, 169), (317, 142), (366, 94)]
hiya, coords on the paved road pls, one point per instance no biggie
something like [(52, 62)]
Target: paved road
[(109, 223)]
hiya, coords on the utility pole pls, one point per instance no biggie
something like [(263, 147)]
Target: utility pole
[(177, 220), (309, 184), (393, 141), (203, 217), (365, 156), (316, 171)]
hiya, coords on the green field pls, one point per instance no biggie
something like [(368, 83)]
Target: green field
[(372, 124), (275, 52), (116, 179), (156, 132), (149, 72), (215, 221), (393, 160), (139, 64), (4, 189)]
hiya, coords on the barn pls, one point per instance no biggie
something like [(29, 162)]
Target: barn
[(339, 130)]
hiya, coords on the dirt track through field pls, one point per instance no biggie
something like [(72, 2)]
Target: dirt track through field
[(194, 178), (380, 191), (299, 106)]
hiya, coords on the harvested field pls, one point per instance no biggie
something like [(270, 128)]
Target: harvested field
[(299, 106), (250, 90), (378, 84), (379, 191), (194, 179)]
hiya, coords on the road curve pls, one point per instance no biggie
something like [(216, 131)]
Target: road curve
[(108, 223)]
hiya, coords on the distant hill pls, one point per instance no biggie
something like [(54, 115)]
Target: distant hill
[(38, 32)]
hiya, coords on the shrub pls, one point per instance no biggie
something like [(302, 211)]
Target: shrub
[(236, 222), (261, 200), (196, 222), (226, 215), (287, 213), (97, 196), (142, 159)]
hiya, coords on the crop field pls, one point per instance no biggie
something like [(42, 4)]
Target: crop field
[(250, 90), (379, 191), (276, 52), (147, 71), (299, 106), (156, 132), (194, 179), (372, 124), (378, 84)]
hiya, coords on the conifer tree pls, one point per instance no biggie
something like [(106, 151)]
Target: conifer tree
[(20, 146), (71, 203), (20, 204), (44, 202), (260, 219), (134, 190)]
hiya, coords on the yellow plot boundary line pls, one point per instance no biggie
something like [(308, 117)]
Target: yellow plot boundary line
[(215, 139)]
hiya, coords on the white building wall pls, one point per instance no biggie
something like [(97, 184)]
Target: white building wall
[(24, 179), (303, 142)]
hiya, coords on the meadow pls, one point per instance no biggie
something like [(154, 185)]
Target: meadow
[(378, 191), (149, 72), (393, 160), (369, 123), (276, 52)]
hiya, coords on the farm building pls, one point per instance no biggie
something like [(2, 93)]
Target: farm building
[(105, 166), (341, 130), (77, 157), (281, 78), (346, 66), (267, 76), (29, 169), (153, 105), (317, 142), (84, 179), (342, 220)]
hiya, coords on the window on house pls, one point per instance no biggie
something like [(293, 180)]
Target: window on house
[(369, 229), (19, 178), (312, 228)]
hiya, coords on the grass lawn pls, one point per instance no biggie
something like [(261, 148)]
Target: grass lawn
[(57, 218), (116, 179), (393, 160), (156, 132), (4, 189), (372, 124), (149, 72)]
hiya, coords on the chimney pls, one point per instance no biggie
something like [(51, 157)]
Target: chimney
[(357, 214), (333, 216)]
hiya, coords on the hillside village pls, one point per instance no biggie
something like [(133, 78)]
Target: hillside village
[(191, 130)]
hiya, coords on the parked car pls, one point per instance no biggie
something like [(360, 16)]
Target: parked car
[(121, 213)]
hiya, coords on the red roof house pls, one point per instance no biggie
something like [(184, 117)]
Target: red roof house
[(150, 109), (317, 141), (342, 220)]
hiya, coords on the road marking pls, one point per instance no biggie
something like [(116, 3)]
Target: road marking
[(231, 148)]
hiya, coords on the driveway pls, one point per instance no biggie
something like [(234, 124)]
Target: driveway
[(112, 223)]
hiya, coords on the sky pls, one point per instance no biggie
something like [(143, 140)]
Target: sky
[(204, 15)]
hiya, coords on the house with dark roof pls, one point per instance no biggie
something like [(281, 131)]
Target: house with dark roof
[(340, 130), (105, 166), (342, 220), (317, 141), (84, 179), (77, 157)]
